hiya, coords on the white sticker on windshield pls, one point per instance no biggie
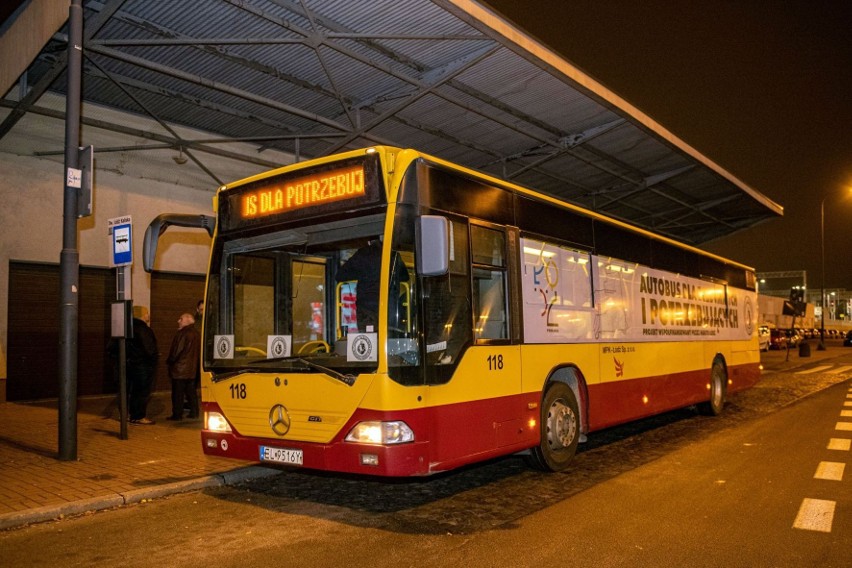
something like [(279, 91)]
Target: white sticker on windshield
[(278, 346), (223, 346), (362, 347)]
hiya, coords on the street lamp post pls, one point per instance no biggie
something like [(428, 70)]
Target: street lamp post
[(821, 346)]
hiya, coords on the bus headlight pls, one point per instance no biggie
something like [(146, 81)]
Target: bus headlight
[(384, 433), (216, 422)]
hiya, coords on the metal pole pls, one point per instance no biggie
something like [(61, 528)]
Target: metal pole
[(69, 262), (821, 346), (121, 286)]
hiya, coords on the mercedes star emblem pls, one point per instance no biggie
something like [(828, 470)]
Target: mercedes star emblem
[(279, 419)]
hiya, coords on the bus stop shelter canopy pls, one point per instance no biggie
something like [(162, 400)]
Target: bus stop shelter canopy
[(313, 77)]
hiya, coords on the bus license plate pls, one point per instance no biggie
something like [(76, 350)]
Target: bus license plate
[(281, 455)]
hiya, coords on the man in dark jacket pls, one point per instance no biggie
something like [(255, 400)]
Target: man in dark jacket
[(141, 357), (183, 365)]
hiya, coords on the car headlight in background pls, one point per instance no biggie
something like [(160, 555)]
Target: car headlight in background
[(384, 433)]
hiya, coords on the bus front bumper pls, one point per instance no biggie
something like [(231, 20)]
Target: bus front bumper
[(402, 460)]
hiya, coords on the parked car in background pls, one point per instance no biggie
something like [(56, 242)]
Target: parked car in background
[(793, 338), (763, 339), (777, 339), (847, 341)]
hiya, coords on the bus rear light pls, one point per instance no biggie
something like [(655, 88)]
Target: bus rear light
[(216, 422), (384, 433)]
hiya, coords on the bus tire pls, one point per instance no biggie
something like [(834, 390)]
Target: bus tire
[(718, 390), (560, 429)]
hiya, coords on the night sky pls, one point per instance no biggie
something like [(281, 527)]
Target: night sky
[(763, 88)]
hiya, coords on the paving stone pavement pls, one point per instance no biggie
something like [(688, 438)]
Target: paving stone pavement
[(155, 460)]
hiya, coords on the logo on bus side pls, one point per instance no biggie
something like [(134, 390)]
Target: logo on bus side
[(749, 315)]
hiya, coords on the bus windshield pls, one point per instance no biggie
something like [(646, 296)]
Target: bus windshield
[(290, 300)]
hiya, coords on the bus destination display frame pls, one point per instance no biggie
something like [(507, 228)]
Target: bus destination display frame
[(335, 187)]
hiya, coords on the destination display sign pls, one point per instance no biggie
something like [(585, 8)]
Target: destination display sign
[(336, 187), (308, 191)]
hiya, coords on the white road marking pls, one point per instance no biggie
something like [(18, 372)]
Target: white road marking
[(847, 403), (830, 471), (844, 426), (846, 413), (814, 370), (815, 515), (839, 370), (842, 444)]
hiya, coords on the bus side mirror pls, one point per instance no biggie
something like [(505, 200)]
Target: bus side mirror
[(433, 245), (149, 244), (159, 225)]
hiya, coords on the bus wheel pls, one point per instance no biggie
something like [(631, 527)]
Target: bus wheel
[(560, 429), (718, 391)]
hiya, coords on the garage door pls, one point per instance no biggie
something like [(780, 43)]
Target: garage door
[(33, 344)]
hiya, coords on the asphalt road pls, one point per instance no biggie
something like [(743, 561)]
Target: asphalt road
[(676, 490)]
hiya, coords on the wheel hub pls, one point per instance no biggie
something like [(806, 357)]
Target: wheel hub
[(561, 425)]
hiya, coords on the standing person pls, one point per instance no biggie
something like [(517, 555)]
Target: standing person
[(199, 314), (183, 366), (141, 354)]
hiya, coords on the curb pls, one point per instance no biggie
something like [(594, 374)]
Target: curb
[(111, 501)]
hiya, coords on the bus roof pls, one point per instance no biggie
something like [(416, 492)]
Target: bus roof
[(402, 157)]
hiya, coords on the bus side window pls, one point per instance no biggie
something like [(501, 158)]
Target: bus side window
[(447, 306), (488, 248)]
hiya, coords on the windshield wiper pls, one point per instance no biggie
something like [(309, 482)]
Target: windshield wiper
[(231, 374), (348, 380), (345, 379)]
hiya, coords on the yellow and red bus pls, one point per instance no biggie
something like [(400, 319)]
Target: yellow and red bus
[(387, 312)]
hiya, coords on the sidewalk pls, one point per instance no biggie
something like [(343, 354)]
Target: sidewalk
[(782, 361), (154, 461)]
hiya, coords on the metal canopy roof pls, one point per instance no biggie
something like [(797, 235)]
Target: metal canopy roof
[(447, 77)]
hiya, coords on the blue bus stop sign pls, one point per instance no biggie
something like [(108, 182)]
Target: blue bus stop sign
[(121, 237)]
